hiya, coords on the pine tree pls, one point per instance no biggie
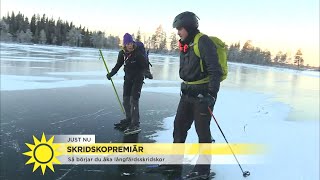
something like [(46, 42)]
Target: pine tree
[(33, 25), (163, 42), (277, 58), (97, 39), (283, 58), (138, 36), (86, 39), (36, 36), (12, 24), (233, 52), (173, 42), (43, 37), (5, 35), (298, 58), (74, 37), (133, 36), (248, 46), (158, 40), (57, 32), (266, 57), (51, 31)]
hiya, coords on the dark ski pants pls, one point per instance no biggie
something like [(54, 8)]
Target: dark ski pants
[(131, 95), (191, 110)]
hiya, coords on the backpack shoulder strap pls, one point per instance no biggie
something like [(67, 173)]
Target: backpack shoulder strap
[(196, 43), (196, 48)]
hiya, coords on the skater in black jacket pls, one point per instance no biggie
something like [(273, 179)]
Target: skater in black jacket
[(135, 65)]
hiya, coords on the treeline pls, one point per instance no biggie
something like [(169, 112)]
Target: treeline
[(42, 30), (254, 55)]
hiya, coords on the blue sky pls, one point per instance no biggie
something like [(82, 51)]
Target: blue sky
[(274, 24)]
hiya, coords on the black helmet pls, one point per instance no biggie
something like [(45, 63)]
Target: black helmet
[(186, 19)]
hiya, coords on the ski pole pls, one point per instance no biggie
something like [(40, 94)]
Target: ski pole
[(244, 173), (114, 88)]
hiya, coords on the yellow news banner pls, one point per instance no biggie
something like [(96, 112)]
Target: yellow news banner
[(160, 148)]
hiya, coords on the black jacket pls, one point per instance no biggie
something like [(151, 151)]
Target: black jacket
[(134, 64), (190, 65)]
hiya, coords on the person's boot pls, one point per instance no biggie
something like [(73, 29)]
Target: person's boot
[(123, 124)]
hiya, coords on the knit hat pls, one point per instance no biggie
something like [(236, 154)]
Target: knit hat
[(127, 38)]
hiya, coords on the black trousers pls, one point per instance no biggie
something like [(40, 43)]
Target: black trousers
[(191, 110), (131, 95)]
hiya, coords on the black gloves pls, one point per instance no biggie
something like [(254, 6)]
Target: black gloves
[(147, 74), (207, 99)]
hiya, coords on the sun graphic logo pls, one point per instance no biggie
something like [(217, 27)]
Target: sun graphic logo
[(43, 153)]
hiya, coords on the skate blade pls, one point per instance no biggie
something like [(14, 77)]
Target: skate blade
[(133, 132)]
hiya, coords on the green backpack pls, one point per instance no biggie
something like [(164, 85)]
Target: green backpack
[(221, 51)]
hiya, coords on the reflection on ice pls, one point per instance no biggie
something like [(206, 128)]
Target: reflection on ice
[(82, 66), (5, 78)]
